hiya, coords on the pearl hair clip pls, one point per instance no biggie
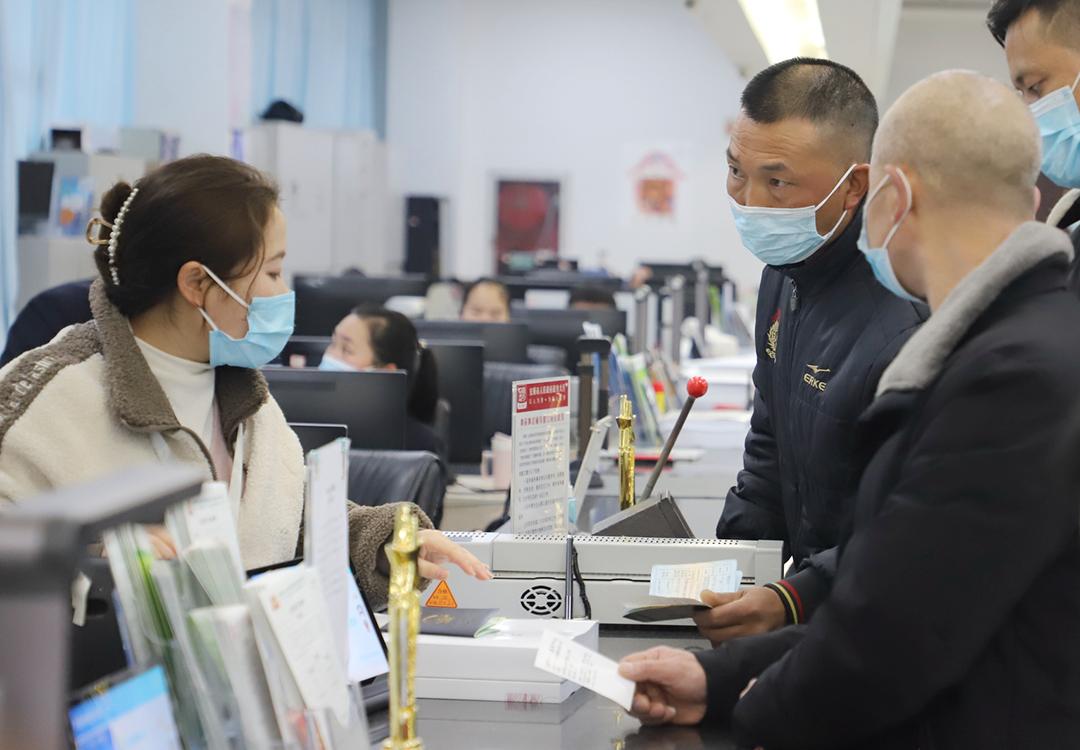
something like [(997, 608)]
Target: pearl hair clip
[(114, 234)]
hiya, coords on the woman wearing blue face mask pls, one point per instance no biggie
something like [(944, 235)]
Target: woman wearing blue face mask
[(374, 338), (191, 301)]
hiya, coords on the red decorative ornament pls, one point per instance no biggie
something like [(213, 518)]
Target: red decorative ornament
[(697, 387)]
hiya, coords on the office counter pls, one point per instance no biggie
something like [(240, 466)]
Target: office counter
[(699, 487), (583, 722)]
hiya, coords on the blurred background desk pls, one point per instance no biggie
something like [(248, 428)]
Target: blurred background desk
[(583, 722)]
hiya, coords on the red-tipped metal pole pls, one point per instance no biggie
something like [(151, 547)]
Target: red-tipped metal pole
[(695, 389)]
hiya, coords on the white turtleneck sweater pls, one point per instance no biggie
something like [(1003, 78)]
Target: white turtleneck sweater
[(189, 386)]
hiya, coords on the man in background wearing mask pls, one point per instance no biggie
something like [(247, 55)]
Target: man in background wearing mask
[(953, 618), (825, 331), (1042, 45)]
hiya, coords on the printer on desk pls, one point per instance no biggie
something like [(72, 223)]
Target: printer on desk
[(530, 570)]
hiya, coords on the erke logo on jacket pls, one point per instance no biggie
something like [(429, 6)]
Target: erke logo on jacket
[(812, 380)]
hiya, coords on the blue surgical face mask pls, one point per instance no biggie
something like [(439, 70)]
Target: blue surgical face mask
[(331, 363), (270, 324), (782, 236), (1058, 119), (878, 257)]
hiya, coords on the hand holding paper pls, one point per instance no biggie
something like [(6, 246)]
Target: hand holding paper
[(677, 590), (564, 657)]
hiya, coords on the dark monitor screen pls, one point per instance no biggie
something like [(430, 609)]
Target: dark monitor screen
[(35, 191), (503, 342), (460, 365), (519, 285), (303, 351), (562, 328), (370, 404), (661, 272), (558, 327), (322, 301), (314, 436)]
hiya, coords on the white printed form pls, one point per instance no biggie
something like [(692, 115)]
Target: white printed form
[(326, 533), (566, 658), (540, 455), (688, 581), (296, 610)]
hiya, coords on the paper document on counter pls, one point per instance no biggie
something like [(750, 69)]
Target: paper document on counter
[(568, 659), (688, 581), (326, 533)]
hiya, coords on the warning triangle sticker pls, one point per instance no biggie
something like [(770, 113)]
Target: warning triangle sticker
[(442, 597)]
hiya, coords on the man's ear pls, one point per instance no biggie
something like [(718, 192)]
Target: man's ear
[(903, 185), (191, 282), (858, 185), (1037, 201)]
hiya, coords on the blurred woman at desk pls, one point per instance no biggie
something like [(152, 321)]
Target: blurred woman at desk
[(486, 301), (374, 338), (190, 302)]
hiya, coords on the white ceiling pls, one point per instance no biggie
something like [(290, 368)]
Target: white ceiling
[(871, 36)]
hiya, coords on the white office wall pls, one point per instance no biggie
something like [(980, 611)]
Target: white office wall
[(932, 39), (567, 89), (182, 71)]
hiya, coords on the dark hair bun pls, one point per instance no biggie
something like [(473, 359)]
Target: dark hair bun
[(208, 209)]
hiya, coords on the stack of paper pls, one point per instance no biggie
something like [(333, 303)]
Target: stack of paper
[(497, 665), (304, 672), (224, 635), (204, 531)]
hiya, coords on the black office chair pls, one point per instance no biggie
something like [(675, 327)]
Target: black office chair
[(46, 315), (381, 477), (498, 377)]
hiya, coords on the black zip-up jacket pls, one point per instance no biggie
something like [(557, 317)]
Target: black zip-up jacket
[(953, 621), (826, 329)]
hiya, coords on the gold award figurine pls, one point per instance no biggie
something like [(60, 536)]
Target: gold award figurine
[(404, 608), (625, 421)]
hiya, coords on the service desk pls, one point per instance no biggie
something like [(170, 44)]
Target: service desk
[(583, 722), (699, 487)]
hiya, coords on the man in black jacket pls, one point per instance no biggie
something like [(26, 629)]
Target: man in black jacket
[(1041, 39), (825, 329), (953, 618)]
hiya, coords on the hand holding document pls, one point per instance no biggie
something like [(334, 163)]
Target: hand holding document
[(564, 657), (680, 586)]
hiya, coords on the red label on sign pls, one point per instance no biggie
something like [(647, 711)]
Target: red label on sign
[(548, 394)]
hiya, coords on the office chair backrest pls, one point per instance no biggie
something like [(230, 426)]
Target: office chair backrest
[(381, 477), (498, 401)]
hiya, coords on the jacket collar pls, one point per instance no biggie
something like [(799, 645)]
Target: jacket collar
[(922, 357), (135, 395), (819, 270), (1066, 211)]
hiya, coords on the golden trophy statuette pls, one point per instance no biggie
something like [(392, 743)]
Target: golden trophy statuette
[(625, 421), (404, 608)]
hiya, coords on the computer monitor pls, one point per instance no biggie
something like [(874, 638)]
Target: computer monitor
[(461, 382), (562, 328), (303, 351), (519, 285), (314, 436), (503, 342), (322, 301), (371, 404), (35, 194), (132, 711)]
